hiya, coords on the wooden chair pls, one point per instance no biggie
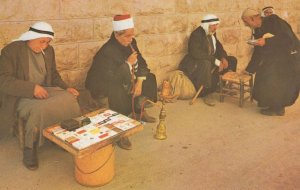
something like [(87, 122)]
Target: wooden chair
[(236, 85)]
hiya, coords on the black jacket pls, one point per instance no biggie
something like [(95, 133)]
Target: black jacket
[(198, 51), (275, 82), (109, 68)]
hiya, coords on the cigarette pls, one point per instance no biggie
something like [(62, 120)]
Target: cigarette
[(42, 51)]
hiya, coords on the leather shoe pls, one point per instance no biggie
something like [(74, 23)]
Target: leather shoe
[(273, 112), (30, 159), (124, 143), (208, 100), (147, 118)]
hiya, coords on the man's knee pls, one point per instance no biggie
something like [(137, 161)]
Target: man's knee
[(206, 66), (151, 77), (149, 88), (101, 102), (204, 70)]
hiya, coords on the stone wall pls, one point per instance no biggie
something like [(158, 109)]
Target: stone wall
[(162, 28)]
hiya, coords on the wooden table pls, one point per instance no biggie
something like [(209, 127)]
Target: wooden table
[(94, 165)]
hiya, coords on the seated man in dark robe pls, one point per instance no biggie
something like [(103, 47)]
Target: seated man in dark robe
[(206, 58), (120, 72), (32, 89), (276, 82)]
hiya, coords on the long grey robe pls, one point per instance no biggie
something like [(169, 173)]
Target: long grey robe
[(15, 85)]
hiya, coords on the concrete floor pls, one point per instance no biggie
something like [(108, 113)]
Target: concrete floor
[(208, 148)]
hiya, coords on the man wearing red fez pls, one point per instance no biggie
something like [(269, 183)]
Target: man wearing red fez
[(120, 72), (206, 58)]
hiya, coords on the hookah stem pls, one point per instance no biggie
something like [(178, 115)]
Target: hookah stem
[(132, 69), (132, 107)]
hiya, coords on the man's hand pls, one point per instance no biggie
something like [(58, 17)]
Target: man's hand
[(132, 58), (73, 91), (260, 42), (138, 88), (223, 64), (244, 72), (40, 92)]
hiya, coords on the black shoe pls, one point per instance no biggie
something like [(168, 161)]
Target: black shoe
[(124, 143), (209, 100), (280, 112), (273, 112), (30, 159)]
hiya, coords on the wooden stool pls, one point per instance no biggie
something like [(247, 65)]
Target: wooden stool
[(236, 85), (96, 169)]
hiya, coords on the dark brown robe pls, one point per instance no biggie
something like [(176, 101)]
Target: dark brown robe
[(199, 62), (275, 82), (110, 76)]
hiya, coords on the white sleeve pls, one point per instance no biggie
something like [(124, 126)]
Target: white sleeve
[(217, 62)]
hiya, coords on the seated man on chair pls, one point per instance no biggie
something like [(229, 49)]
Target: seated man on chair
[(32, 89), (206, 58), (120, 72)]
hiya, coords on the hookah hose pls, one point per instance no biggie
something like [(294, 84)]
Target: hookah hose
[(132, 86), (133, 90), (142, 108)]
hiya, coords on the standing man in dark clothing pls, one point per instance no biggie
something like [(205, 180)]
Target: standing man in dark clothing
[(120, 72), (275, 85), (206, 58)]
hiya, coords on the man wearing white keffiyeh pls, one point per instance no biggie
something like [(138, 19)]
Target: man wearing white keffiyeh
[(205, 53), (32, 89)]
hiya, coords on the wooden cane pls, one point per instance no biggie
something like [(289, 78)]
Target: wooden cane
[(196, 95), (199, 90)]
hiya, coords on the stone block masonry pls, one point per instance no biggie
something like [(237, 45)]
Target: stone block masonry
[(162, 28)]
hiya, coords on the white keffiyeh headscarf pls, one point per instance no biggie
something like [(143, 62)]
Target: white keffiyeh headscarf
[(210, 19), (37, 30)]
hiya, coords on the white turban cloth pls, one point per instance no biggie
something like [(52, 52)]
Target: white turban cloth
[(122, 22)]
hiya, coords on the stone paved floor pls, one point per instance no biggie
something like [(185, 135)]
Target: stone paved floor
[(208, 148)]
